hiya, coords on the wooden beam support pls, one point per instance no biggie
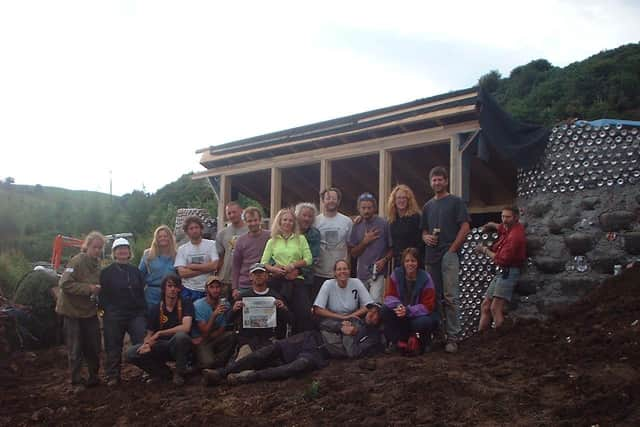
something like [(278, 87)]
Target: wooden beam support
[(469, 140), (455, 165), (384, 183), (276, 193), (225, 194)]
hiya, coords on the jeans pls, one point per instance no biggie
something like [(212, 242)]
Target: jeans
[(398, 328), (215, 352), (152, 295), (114, 328), (261, 359), (177, 348), (82, 336), (186, 293), (445, 275)]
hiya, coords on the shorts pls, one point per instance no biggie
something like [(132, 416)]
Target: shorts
[(502, 287)]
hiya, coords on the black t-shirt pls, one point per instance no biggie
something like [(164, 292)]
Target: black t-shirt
[(122, 292), (283, 316), (447, 214), (171, 318), (406, 233)]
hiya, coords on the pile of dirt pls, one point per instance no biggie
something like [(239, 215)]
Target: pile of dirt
[(580, 368)]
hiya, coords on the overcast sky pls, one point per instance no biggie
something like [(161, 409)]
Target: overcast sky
[(136, 87)]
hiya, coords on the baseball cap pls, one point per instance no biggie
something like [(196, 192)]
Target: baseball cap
[(120, 241), (214, 279), (374, 305), (257, 267)]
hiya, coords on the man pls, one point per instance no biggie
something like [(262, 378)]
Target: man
[(334, 229), (226, 242), (509, 252), (167, 335), (196, 259), (248, 251), (214, 344), (301, 353), (370, 242), (445, 225), (251, 339)]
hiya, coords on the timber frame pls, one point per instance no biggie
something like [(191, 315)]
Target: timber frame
[(370, 151)]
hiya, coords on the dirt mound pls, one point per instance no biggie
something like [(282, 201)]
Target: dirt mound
[(580, 368)]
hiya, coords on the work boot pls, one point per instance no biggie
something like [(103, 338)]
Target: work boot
[(243, 377), (212, 377), (113, 382), (451, 347)]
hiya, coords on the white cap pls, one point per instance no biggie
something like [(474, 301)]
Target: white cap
[(120, 241)]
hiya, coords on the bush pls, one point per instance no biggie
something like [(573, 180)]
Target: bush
[(13, 266)]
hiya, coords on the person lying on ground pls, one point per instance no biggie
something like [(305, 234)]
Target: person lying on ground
[(167, 337), (213, 343), (300, 353), (410, 301), (252, 338), (339, 299)]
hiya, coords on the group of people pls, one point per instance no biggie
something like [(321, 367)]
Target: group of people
[(186, 304)]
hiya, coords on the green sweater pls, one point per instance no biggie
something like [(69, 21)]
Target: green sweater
[(75, 291), (286, 251)]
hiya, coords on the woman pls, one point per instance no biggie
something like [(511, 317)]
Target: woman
[(306, 214), (409, 303), (122, 299), (284, 255), (403, 215), (157, 261), (79, 287)]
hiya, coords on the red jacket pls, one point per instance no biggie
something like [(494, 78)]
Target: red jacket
[(511, 246)]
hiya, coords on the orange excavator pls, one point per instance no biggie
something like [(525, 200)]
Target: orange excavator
[(59, 243)]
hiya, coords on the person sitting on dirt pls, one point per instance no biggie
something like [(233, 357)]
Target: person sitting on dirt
[(213, 343), (169, 324), (339, 299), (251, 339), (79, 286), (123, 301), (300, 353), (410, 300), (509, 252)]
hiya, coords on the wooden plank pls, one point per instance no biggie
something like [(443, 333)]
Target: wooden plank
[(455, 166), (325, 177), (469, 140), (207, 156), (225, 194), (487, 209), (408, 140)]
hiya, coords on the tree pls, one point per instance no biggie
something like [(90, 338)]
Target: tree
[(490, 81), (9, 180)]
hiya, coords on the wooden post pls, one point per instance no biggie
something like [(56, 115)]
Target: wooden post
[(276, 192), (223, 198), (455, 165), (325, 177), (384, 184)]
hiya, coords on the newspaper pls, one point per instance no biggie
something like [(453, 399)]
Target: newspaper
[(259, 312)]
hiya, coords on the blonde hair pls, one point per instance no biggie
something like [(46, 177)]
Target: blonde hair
[(154, 251), (94, 235), (276, 230), (412, 204)]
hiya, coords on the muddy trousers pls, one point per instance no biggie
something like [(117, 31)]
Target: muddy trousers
[(177, 348), (296, 295), (445, 275), (114, 328), (260, 361), (215, 352), (82, 337)]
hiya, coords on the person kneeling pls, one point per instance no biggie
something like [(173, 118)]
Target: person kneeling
[(301, 353), (409, 303), (167, 336)]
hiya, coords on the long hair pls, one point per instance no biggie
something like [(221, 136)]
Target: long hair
[(171, 277), (276, 230), (154, 250), (412, 204), (94, 235)]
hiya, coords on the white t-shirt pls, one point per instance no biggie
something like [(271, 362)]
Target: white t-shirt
[(334, 233), (196, 254), (343, 300)]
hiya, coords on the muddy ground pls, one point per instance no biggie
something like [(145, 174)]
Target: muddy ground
[(581, 368)]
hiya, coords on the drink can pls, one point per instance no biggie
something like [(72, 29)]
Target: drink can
[(617, 269)]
